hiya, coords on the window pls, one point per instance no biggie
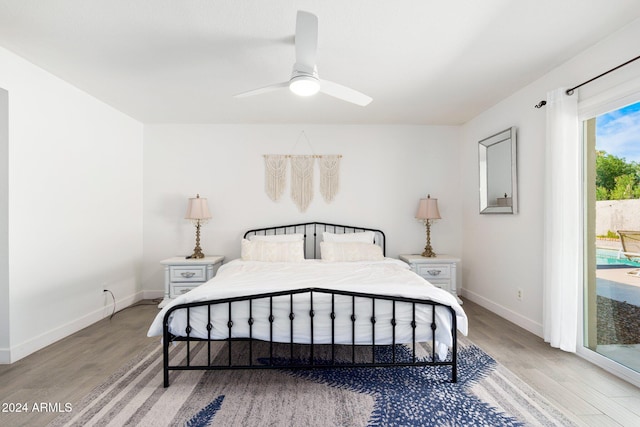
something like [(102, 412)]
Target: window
[(611, 317)]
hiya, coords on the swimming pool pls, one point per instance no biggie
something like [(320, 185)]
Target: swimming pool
[(609, 257)]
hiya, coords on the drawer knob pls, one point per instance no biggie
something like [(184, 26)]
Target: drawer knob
[(434, 272), (184, 291), (188, 274)]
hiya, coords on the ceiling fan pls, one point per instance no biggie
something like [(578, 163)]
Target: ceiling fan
[(304, 79)]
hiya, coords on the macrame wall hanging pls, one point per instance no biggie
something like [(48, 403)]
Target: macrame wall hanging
[(302, 171), (302, 181), (329, 176), (275, 175)]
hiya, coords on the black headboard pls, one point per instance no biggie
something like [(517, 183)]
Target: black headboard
[(312, 232)]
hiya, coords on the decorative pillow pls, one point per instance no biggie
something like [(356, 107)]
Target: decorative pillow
[(350, 251), (272, 251), (363, 237), (277, 238)]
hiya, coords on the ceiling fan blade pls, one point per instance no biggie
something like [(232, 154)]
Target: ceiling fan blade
[(346, 94), (306, 41), (261, 90)]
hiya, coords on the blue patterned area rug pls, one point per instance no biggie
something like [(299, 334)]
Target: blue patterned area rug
[(486, 394)]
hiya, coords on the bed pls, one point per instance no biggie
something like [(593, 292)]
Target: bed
[(311, 296)]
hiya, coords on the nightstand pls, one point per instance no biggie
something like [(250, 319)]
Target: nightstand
[(181, 274), (440, 271)]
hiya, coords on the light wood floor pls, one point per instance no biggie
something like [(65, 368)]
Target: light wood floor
[(69, 369), (66, 371), (596, 397)]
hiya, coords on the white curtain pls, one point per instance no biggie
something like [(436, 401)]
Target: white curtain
[(562, 262)]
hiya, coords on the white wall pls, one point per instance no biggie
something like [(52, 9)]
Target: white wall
[(4, 219), (75, 207), (503, 253), (384, 172), (79, 220)]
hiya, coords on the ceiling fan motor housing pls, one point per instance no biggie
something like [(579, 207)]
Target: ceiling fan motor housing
[(303, 82)]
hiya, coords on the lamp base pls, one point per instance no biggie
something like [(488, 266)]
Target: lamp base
[(197, 254), (197, 251), (428, 252)]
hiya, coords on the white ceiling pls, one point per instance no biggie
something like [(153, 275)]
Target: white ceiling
[(423, 61)]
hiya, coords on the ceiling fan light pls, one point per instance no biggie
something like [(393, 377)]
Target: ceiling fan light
[(304, 85)]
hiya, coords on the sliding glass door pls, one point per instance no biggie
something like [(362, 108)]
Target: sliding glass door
[(612, 235)]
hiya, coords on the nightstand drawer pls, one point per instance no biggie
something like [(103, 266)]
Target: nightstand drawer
[(440, 271), (442, 284), (434, 271), (188, 273), (183, 274), (177, 289)]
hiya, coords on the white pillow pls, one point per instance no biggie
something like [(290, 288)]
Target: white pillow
[(350, 251), (272, 251), (277, 237), (362, 236)]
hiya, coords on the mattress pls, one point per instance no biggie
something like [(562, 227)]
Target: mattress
[(388, 277)]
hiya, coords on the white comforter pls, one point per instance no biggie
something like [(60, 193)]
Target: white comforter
[(387, 277)]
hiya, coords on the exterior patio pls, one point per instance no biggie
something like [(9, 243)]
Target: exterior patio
[(618, 309)]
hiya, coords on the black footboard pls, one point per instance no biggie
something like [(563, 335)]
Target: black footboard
[(261, 348)]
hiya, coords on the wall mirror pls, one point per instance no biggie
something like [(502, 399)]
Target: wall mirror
[(497, 164)]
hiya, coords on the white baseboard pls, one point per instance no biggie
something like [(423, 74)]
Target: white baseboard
[(516, 318), (13, 354), (535, 328), (19, 351), (5, 356)]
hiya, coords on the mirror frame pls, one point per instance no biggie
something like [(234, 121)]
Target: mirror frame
[(507, 136)]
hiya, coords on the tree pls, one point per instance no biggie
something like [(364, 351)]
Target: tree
[(602, 193), (616, 178), (626, 188)]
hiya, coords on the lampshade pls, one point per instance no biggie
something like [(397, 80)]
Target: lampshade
[(428, 209), (197, 208)]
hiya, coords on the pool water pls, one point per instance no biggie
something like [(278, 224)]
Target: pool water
[(609, 257)]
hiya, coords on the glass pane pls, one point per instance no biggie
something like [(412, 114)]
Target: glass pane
[(612, 294)]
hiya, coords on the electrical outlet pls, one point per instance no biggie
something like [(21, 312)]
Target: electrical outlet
[(519, 294)]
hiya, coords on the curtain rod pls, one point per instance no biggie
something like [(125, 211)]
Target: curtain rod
[(570, 91)]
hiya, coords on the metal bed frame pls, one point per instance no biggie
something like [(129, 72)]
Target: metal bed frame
[(293, 361)]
